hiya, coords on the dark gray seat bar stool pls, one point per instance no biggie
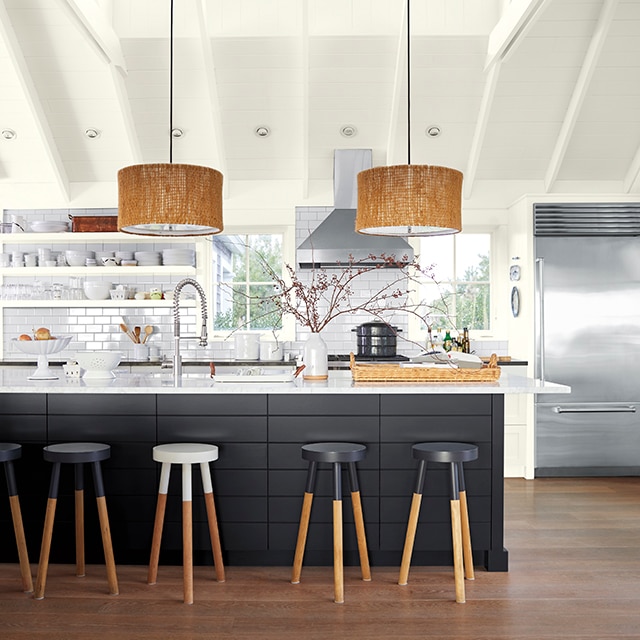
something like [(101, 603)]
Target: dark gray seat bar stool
[(454, 454), (8, 453), (337, 454), (78, 454)]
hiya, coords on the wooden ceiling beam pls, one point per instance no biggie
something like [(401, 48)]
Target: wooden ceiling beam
[(96, 31), (580, 90), (516, 21), (482, 122)]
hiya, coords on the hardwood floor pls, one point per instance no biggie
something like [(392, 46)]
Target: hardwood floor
[(574, 574)]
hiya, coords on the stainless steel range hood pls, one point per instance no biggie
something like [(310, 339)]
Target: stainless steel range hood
[(335, 239)]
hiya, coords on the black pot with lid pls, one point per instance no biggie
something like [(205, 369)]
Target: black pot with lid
[(376, 340)]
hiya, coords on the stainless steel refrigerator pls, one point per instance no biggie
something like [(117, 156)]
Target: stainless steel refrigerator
[(588, 336)]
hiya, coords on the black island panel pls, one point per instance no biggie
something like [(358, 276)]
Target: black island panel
[(259, 478)]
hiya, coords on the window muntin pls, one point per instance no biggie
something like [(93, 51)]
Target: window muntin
[(240, 280), (461, 296)]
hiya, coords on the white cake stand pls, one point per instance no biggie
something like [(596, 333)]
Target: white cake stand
[(42, 349)]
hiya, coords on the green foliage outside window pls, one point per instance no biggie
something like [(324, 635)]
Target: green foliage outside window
[(462, 297), (242, 293)]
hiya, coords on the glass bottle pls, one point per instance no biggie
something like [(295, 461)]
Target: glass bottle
[(447, 343)]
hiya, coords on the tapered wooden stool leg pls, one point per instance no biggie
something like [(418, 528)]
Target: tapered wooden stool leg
[(23, 556), (16, 516), (466, 538), (338, 570), (45, 549), (409, 539), (212, 519), (79, 500), (456, 532), (159, 523), (358, 519), (302, 537), (79, 504), (187, 550), (107, 546), (361, 535), (105, 531), (187, 534)]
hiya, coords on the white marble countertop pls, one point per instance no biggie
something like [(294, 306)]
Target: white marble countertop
[(14, 379)]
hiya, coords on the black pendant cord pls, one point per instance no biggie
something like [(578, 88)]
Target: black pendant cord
[(171, 90), (408, 81)]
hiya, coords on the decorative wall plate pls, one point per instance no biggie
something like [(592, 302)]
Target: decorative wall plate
[(515, 302)]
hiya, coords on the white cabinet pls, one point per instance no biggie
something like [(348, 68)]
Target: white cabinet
[(516, 434)]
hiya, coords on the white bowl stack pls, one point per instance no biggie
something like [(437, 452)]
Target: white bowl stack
[(175, 257), (78, 258)]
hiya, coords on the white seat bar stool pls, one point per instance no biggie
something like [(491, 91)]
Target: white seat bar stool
[(186, 454)]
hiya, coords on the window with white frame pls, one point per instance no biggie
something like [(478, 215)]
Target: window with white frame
[(461, 294), (241, 281)]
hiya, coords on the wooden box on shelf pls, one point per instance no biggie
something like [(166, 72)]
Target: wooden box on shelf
[(94, 223)]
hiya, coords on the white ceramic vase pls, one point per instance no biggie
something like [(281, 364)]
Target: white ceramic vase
[(315, 357)]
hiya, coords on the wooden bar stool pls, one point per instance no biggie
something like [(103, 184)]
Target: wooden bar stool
[(8, 453), (454, 454), (186, 454), (337, 454), (78, 454)]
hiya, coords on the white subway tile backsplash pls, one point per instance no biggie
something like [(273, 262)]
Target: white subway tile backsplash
[(98, 327)]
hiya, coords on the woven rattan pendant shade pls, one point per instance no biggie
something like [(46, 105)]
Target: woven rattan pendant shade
[(169, 200), (409, 200)]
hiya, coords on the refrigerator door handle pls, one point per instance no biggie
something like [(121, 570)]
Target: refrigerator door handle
[(590, 408), (539, 336)]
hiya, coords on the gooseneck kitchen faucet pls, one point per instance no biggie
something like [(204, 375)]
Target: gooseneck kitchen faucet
[(177, 359)]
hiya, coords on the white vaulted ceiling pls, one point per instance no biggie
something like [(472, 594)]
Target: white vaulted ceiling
[(530, 90)]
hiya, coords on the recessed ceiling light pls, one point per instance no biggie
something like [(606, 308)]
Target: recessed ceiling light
[(92, 133), (262, 132), (348, 131), (433, 131), (9, 134), (177, 132)]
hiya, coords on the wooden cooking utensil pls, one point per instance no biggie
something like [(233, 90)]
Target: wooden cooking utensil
[(126, 330), (136, 333), (148, 330)]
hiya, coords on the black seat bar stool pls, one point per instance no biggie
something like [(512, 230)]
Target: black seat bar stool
[(78, 454), (454, 454), (8, 453), (337, 454)]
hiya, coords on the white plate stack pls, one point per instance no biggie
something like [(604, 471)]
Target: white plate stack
[(185, 257), (148, 258), (48, 226)]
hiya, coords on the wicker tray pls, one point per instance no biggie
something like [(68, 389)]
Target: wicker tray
[(371, 372)]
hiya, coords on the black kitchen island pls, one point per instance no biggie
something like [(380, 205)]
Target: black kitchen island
[(259, 478)]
